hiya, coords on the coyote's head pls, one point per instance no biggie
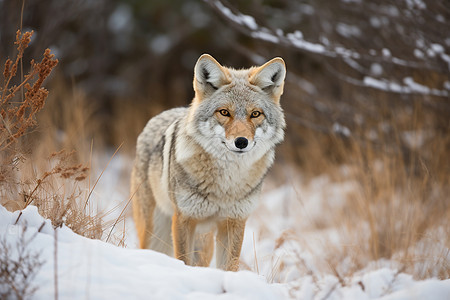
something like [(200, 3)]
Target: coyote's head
[(237, 112)]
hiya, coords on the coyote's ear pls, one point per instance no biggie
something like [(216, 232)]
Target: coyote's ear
[(209, 76), (270, 77)]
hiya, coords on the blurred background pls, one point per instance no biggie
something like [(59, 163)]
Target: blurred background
[(365, 164), (368, 71)]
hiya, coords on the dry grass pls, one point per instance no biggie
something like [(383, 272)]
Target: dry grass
[(401, 207), (17, 272), (30, 171), (17, 115), (397, 211), (54, 190)]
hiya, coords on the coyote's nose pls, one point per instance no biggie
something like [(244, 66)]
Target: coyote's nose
[(241, 142)]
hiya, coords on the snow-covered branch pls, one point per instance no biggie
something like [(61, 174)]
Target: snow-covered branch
[(409, 87), (430, 57), (247, 25)]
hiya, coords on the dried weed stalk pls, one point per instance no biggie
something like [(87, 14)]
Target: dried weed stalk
[(59, 197), (18, 268), (57, 191), (17, 116)]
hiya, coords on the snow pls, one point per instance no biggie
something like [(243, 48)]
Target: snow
[(438, 48), (379, 21), (94, 269), (430, 52), (418, 53), (446, 58), (242, 19), (120, 20), (346, 52), (249, 21), (447, 85), (440, 18), (412, 4), (98, 270), (429, 289), (416, 87), (375, 83), (415, 139), (340, 129), (410, 87), (266, 36), (376, 69), (302, 44), (347, 30)]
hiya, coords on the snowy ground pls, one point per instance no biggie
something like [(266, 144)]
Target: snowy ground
[(93, 269)]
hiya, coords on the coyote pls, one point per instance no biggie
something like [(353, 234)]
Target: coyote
[(199, 169)]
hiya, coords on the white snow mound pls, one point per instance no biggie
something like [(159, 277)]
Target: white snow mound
[(92, 269)]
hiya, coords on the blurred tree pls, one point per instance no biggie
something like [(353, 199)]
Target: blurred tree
[(352, 64)]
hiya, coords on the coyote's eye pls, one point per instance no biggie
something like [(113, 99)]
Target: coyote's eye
[(224, 112), (255, 114)]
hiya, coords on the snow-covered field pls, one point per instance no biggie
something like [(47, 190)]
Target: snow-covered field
[(279, 268)]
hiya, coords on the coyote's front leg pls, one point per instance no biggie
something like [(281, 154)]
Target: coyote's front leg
[(230, 234), (183, 229)]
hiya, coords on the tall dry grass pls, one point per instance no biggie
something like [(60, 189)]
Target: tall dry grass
[(31, 170), (18, 109), (398, 209), (62, 183)]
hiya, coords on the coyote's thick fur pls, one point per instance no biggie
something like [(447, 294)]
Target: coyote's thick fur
[(199, 170)]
